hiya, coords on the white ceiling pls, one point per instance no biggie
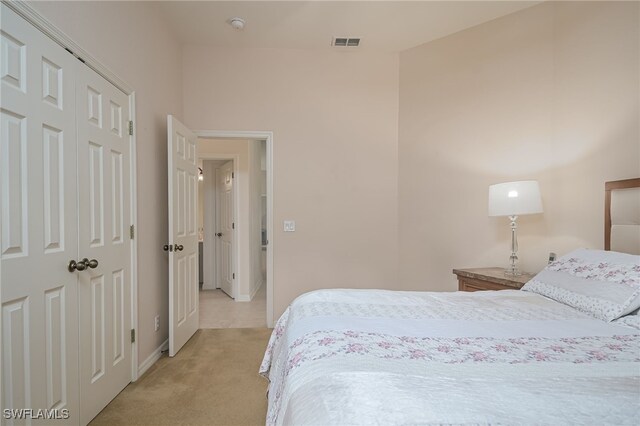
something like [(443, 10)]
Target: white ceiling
[(382, 25)]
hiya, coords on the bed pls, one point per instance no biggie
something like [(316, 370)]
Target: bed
[(566, 350)]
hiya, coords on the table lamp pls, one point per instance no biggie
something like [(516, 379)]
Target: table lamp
[(514, 199)]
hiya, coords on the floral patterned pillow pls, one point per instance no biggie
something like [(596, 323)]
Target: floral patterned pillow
[(604, 284)]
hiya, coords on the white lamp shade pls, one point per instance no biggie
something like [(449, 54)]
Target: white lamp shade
[(515, 198)]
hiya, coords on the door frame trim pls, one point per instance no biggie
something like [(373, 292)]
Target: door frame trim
[(268, 137), (34, 18)]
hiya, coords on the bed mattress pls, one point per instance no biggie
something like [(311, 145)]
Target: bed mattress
[(347, 357)]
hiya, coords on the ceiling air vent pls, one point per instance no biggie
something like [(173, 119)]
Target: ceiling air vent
[(345, 42)]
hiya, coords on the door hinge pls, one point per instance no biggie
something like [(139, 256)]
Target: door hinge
[(233, 175), (133, 335), (132, 231), (233, 225), (234, 275), (130, 128)]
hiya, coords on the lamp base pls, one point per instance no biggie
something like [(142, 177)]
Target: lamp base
[(512, 270), (512, 273)]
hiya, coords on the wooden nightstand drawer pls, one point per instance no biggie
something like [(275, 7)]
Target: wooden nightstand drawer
[(470, 284), (482, 279)]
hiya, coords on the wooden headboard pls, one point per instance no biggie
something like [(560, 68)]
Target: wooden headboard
[(622, 216)]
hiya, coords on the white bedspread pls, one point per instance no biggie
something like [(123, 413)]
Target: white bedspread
[(346, 357)]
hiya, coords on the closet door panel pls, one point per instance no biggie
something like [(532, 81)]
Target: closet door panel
[(104, 212), (38, 220)]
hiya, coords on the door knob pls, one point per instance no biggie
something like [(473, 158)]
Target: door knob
[(168, 247), (76, 266), (93, 263), (179, 247), (219, 234)]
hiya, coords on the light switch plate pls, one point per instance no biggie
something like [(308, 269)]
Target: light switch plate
[(289, 226)]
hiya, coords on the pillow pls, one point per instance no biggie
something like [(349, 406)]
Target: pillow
[(604, 284), (630, 320)]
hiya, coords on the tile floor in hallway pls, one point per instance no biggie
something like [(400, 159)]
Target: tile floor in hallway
[(217, 310)]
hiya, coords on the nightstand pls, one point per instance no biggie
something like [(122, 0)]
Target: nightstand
[(479, 279)]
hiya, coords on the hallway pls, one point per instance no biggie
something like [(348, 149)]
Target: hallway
[(217, 310)]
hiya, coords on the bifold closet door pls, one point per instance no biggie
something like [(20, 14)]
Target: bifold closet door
[(104, 210), (39, 221), (65, 187)]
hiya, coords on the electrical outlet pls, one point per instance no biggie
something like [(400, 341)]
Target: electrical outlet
[(157, 322), (289, 226)]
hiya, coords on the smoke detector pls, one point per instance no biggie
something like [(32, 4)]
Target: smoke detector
[(345, 42), (237, 23)]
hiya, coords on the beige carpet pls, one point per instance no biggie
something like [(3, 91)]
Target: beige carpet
[(212, 381)]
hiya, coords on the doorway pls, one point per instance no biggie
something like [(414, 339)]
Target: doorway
[(232, 229)]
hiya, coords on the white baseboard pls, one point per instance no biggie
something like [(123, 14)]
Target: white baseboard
[(151, 359), (256, 288), (249, 298)]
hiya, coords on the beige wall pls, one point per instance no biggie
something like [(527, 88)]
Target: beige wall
[(550, 93), (334, 118), (148, 61)]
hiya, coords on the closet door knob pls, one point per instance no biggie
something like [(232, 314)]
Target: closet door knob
[(179, 247), (219, 234), (93, 263), (76, 266)]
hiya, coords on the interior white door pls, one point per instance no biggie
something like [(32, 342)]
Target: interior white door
[(104, 218), (183, 236), (38, 221), (225, 228)]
